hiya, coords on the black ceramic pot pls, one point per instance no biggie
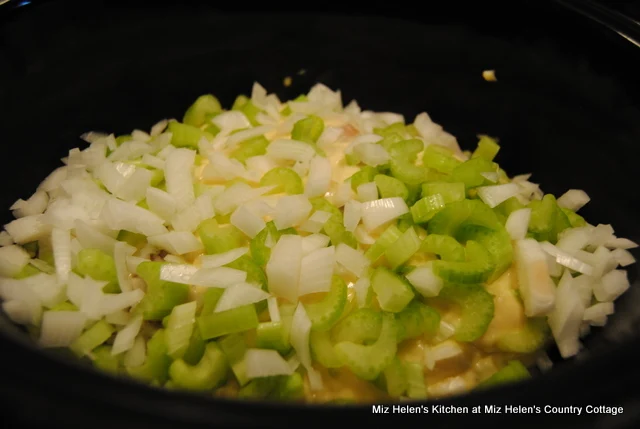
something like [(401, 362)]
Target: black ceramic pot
[(565, 106)]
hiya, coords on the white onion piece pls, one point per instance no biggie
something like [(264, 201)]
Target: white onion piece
[(176, 242), (61, 328), (283, 268), (27, 229), (137, 354), (316, 271), (425, 281), (118, 318), (518, 223), (30, 307), (293, 362), (120, 253), (600, 235), (367, 192), (535, 284), (291, 210), (120, 215), (135, 187), (158, 127), (238, 295), (362, 236), (316, 222), (61, 242), (620, 243), (623, 257), (352, 215), (362, 139), (112, 302), (91, 238), (597, 314), (19, 312), (379, 212), (274, 311), (351, 259), (566, 260), (133, 262), (265, 363), (342, 194), (12, 260), (313, 242), (573, 239), (187, 220), (160, 145), (362, 287), (247, 134), (221, 259), (371, 154), (573, 199), (92, 295), (166, 150), (300, 330), (566, 318), (161, 203), (126, 337), (221, 167), (153, 161), (75, 289), (329, 136), (36, 204), (231, 120), (5, 239), (46, 287), (260, 165), (221, 277), (603, 262), (114, 175), (247, 221), (319, 177), (178, 176), (490, 176), (494, 195), (237, 194), (445, 350), (291, 150), (611, 286)]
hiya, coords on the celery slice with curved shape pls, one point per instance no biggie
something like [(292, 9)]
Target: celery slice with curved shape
[(417, 319), (325, 314), (513, 372), (207, 374), (476, 305), (204, 106), (284, 179), (323, 351), (362, 326), (527, 339), (476, 269), (402, 165), (444, 246), (393, 292)]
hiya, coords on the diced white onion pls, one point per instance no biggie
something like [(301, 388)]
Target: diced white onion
[(231, 120), (573, 199), (177, 242), (566, 318), (159, 127), (371, 154), (274, 311), (247, 134), (238, 295), (237, 194), (36, 204), (535, 284), (319, 177), (490, 176), (300, 330), (291, 150), (12, 260), (91, 238), (118, 318), (600, 235), (121, 251), (161, 203), (291, 211), (316, 271), (353, 260), (247, 221), (113, 302), (61, 242), (283, 268), (378, 212), (27, 229), (137, 354), (126, 337), (133, 262), (621, 243), (221, 277), (367, 192), (265, 363), (611, 286), (221, 259), (313, 242), (425, 281), (494, 195), (566, 260), (445, 350), (597, 314), (573, 239), (179, 177), (120, 215), (623, 257), (362, 287), (352, 215), (61, 328)]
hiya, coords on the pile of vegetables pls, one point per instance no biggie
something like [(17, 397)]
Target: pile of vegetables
[(258, 250)]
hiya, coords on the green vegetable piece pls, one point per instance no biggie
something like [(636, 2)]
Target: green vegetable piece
[(100, 332), (417, 319), (308, 130), (475, 269), (362, 326), (195, 350), (561, 223), (450, 192), (444, 246), (367, 362), (99, 266), (123, 139), (461, 213), (259, 250), (284, 179), (255, 275), (543, 216), (219, 239), (389, 187), (180, 328), (273, 335), (251, 111), (238, 319), (155, 369), (386, 239), (366, 174), (476, 306), (322, 350), (338, 234), (133, 239), (403, 155), (324, 314), (31, 248), (289, 387), (528, 339), (64, 306), (204, 106), (395, 378), (575, 219), (393, 291), (440, 159), (497, 242), (240, 101), (157, 177), (210, 300), (470, 172), (234, 348), (395, 128), (426, 208), (183, 135), (248, 148), (487, 148), (403, 248), (513, 372), (28, 271), (509, 206), (161, 295), (258, 388), (105, 361), (416, 387), (210, 372)]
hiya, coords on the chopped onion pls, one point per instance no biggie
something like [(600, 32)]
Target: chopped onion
[(237, 194), (120, 215), (53, 180), (36, 204), (518, 223), (319, 177), (30, 305), (566, 318), (187, 220), (120, 317), (342, 194), (597, 314), (573, 239), (12, 260), (535, 284), (135, 187), (379, 212), (362, 139), (247, 221), (293, 362), (494, 195), (353, 260), (121, 251), (221, 167), (313, 242), (91, 238), (247, 134), (176, 242), (300, 330), (161, 203), (623, 257), (133, 262), (620, 243), (352, 215), (220, 277), (27, 229), (126, 337), (573, 199), (291, 211), (425, 281), (159, 127), (329, 136), (283, 268), (178, 176), (600, 235), (367, 192), (371, 154), (5, 239), (114, 175), (231, 120), (316, 271), (220, 259), (291, 150), (265, 363), (362, 287), (61, 242), (260, 164), (274, 311), (178, 273), (445, 350), (61, 328), (112, 302), (566, 260), (611, 286), (137, 354), (490, 176), (239, 295), (362, 236)]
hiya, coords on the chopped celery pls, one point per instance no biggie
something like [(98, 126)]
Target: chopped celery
[(362, 326), (240, 101), (204, 105), (143, 204), (390, 139), (561, 223), (476, 305), (65, 306), (255, 275), (324, 314), (322, 350), (234, 348), (123, 138), (574, 219), (157, 177), (460, 213), (477, 267), (444, 246), (403, 248), (290, 387), (416, 388), (207, 374), (402, 165), (104, 360), (31, 248), (426, 208), (367, 362), (543, 216), (161, 295), (156, 366), (273, 335), (390, 187), (28, 271), (250, 110), (417, 319), (386, 239), (497, 242), (397, 127), (439, 158), (405, 222), (487, 148), (470, 172), (260, 252), (450, 192), (133, 239), (183, 135), (195, 349), (527, 339), (238, 319), (509, 206), (338, 234), (284, 179), (395, 378), (180, 328), (366, 175), (258, 388), (248, 148), (99, 266), (393, 291), (513, 372), (210, 300), (100, 332), (219, 239), (308, 130)]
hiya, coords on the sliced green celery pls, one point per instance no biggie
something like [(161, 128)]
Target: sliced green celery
[(362, 326), (273, 335), (450, 192), (290, 387), (575, 219), (417, 319), (403, 248), (397, 127), (183, 135), (161, 295), (367, 362), (260, 252), (156, 366), (157, 177), (258, 388), (440, 159), (389, 187), (100, 332), (284, 179), (204, 105), (195, 349), (210, 372), (323, 351), (509, 206), (497, 242), (31, 248), (28, 271), (99, 266), (386, 239), (476, 268), (250, 110), (324, 314), (393, 291), (308, 130), (390, 139), (255, 275), (238, 319), (338, 234), (240, 101), (131, 238), (528, 339), (123, 139), (461, 213), (180, 328), (426, 208), (395, 378), (416, 387), (448, 248), (476, 305), (561, 223), (234, 348), (253, 147), (543, 216), (402, 165), (105, 361), (219, 239), (470, 172), (210, 300), (487, 149), (366, 174), (64, 306), (513, 372)]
